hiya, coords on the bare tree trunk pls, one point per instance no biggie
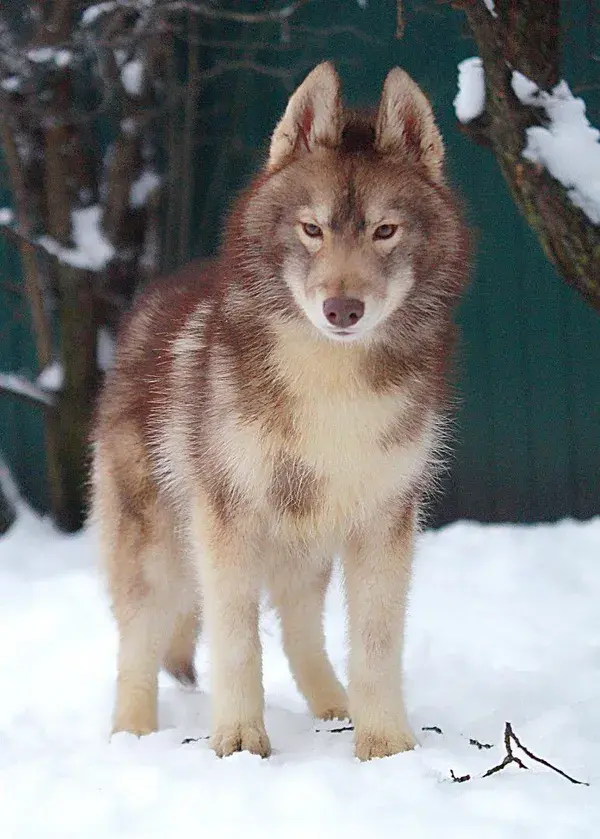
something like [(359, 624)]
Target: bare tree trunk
[(525, 36), (23, 201), (67, 171)]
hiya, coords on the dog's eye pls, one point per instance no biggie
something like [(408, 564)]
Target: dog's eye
[(312, 230), (385, 231)]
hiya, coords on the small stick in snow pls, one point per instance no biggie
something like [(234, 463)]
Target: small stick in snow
[(335, 730), (509, 758), (194, 740), (479, 745), (511, 738), (435, 728), (541, 760)]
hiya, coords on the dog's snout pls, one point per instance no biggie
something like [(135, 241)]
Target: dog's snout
[(343, 311)]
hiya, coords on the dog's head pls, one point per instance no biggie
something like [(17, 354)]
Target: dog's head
[(345, 214)]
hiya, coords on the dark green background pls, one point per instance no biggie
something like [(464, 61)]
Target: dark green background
[(529, 367)]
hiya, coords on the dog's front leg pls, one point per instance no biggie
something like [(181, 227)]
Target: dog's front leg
[(377, 566), (231, 587)]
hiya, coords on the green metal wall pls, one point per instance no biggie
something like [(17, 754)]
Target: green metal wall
[(529, 423)]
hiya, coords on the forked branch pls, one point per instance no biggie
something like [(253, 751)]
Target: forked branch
[(511, 741)]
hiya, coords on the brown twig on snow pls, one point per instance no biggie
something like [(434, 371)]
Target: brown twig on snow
[(541, 760), (459, 779), (335, 730), (509, 758), (479, 745), (510, 739)]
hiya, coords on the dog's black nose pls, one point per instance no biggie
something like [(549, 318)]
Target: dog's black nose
[(343, 311)]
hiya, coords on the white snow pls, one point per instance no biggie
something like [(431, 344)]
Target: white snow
[(489, 4), (6, 215), (92, 13), (21, 386), (41, 55), (52, 377), (92, 249), (105, 349), (63, 58), (568, 146), (129, 125), (10, 83), (132, 76), (120, 56), (469, 102), (504, 624), (143, 187)]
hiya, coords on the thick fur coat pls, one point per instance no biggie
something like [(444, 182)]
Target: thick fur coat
[(283, 407)]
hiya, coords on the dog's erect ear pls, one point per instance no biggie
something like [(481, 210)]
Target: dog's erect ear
[(312, 116), (405, 123)]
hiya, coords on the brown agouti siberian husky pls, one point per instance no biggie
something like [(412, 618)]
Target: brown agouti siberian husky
[(283, 407)]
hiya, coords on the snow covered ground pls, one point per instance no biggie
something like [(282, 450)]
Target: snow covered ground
[(504, 625)]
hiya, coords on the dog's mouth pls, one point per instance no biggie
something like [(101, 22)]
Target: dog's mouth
[(343, 335)]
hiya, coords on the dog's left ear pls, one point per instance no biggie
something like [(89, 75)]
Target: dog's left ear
[(406, 124), (312, 116)]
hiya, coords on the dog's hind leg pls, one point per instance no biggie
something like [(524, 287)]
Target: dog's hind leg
[(179, 658), (144, 564), (300, 602)]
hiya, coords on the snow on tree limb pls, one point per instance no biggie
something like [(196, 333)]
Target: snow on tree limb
[(91, 251), (567, 146), (469, 102), (22, 388), (525, 37), (196, 7), (490, 6)]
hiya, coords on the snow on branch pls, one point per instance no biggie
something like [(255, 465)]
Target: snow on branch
[(92, 250), (469, 102), (52, 377), (567, 146), (92, 13), (22, 388), (490, 6), (197, 7), (142, 188), (132, 77)]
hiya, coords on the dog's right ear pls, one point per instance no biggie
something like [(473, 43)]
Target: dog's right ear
[(312, 116)]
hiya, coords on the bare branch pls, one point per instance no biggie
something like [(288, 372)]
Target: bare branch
[(215, 13), (541, 760), (510, 757), (399, 18)]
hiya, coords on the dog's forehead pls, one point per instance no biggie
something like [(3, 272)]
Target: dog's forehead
[(355, 197)]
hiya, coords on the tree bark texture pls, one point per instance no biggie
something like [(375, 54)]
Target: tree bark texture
[(525, 36)]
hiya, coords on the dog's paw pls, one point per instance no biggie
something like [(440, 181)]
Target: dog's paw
[(333, 712), (241, 737), (370, 744), (136, 727), (328, 701)]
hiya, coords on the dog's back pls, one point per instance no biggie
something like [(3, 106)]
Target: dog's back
[(283, 405)]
